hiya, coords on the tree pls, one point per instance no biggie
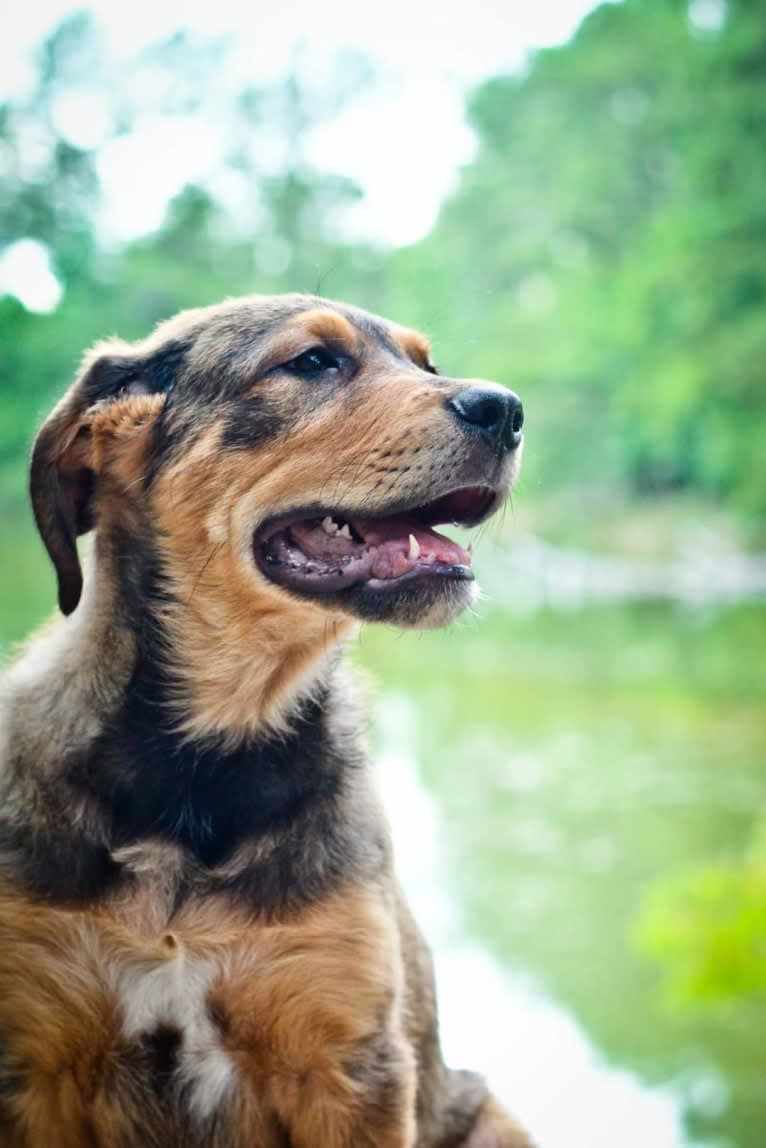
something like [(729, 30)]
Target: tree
[(605, 254)]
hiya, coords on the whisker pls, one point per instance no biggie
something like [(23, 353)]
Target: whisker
[(205, 565)]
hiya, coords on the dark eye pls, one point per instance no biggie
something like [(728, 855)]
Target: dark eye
[(316, 361)]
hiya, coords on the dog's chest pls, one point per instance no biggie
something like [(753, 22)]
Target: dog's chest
[(164, 1007), (210, 1016)]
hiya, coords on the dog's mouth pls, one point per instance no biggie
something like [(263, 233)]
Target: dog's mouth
[(327, 551)]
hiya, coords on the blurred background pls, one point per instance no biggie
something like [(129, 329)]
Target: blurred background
[(570, 198)]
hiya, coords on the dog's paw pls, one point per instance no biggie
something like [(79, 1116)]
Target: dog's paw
[(496, 1129)]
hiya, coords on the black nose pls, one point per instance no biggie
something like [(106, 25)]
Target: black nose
[(493, 412)]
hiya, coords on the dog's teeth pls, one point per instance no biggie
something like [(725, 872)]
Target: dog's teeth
[(414, 552), (470, 549), (345, 530), (329, 525)]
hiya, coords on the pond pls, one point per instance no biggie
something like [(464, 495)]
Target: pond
[(544, 775)]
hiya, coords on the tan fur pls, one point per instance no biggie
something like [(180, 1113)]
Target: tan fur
[(246, 649), (414, 345)]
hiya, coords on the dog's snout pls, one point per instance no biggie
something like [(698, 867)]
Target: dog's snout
[(494, 412)]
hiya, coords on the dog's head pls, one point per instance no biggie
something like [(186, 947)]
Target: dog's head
[(287, 453)]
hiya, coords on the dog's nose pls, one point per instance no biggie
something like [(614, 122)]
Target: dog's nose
[(494, 412)]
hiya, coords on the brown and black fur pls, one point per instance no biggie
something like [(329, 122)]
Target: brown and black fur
[(202, 942)]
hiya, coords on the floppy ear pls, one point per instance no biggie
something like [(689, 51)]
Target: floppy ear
[(61, 480)]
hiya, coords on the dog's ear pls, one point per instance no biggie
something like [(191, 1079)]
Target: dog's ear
[(62, 475)]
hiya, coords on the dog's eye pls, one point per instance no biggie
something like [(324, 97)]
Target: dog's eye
[(315, 361)]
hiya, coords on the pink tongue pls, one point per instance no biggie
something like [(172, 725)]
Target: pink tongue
[(433, 547)]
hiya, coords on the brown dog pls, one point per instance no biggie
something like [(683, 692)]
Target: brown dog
[(201, 938)]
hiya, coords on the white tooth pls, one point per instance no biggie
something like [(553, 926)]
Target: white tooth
[(414, 552), (345, 530), (329, 526), (470, 548)]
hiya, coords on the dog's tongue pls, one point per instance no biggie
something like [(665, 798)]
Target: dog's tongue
[(398, 532)]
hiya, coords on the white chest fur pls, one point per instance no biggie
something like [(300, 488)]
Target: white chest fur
[(173, 992)]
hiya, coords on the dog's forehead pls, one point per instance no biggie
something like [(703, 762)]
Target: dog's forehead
[(240, 331), (392, 336)]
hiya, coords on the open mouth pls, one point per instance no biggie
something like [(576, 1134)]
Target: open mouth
[(329, 550)]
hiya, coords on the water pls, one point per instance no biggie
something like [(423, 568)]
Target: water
[(494, 1019), (543, 775)]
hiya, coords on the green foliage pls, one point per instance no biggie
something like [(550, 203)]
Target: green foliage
[(48, 187), (707, 928), (604, 253)]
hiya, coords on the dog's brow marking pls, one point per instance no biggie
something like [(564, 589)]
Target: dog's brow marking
[(414, 345), (297, 334), (328, 325)]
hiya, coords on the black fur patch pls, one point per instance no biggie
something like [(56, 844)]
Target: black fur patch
[(196, 794), (162, 1047), (108, 376), (58, 864), (464, 1095), (113, 373), (251, 424), (164, 367), (152, 782)]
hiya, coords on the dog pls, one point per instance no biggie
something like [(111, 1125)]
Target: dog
[(202, 941)]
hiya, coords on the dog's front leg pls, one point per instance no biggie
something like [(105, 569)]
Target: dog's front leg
[(369, 1102)]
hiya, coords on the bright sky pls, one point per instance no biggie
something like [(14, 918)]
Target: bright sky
[(402, 142)]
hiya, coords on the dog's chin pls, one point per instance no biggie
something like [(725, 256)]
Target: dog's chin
[(424, 603), (390, 567)]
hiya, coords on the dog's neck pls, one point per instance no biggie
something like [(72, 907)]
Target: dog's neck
[(231, 667), (203, 793), (115, 730), (223, 732)]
